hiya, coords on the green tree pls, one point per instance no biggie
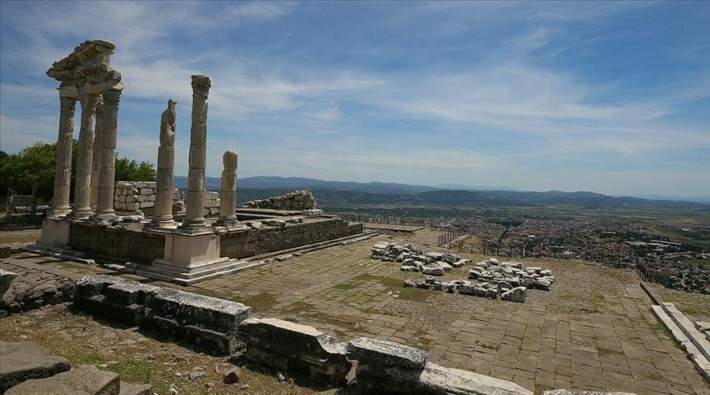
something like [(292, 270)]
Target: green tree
[(130, 170), (32, 170)]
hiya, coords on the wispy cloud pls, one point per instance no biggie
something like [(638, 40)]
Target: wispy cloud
[(468, 92)]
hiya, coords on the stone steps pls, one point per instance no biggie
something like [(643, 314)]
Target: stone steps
[(166, 272), (701, 363)]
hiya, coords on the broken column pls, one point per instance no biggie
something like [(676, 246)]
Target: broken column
[(62, 177), (194, 216), (82, 185), (104, 195), (163, 212), (228, 193), (96, 156)]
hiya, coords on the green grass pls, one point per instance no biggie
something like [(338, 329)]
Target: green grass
[(133, 371)]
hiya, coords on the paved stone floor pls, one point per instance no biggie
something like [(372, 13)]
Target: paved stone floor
[(594, 330)]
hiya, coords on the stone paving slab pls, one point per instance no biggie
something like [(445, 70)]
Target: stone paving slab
[(594, 330)]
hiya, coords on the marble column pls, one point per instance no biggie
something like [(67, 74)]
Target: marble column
[(62, 177), (104, 194), (228, 192), (163, 211), (194, 216), (82, 186), (96, 158)]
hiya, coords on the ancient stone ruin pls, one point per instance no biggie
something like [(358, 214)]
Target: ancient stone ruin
[(148, 224), (491, 278), (296, 200)]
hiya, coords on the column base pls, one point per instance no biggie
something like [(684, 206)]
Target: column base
[(227, 222), (168, 224), (194, 227), (84, 213), (60, 212)]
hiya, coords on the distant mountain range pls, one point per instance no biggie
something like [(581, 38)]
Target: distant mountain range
[(332, 193)]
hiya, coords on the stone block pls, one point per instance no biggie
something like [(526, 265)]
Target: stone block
[(286, 345), (6, 278), (517, 294), (377, 352), (136, 389), (147, 204), (25, 361), (188, 308), (431, 380), (84, 380), (147, 191)]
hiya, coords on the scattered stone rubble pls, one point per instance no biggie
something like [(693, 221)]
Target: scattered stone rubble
[(491, 278), (296, 200), (23, 289)]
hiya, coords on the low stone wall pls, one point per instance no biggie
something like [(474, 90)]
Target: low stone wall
[(269, 239), (292, 347), (385, 366), (130, 245), (23, 289), (208, 323), (296, 200), (130, 196)]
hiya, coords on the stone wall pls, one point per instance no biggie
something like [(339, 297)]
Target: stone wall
[(130, 196), (23, 289), (269, 239), (208, 323), (125, 244), (296, 200)]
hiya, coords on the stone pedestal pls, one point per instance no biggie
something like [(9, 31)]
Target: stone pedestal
[(55, 232), (189, 258)]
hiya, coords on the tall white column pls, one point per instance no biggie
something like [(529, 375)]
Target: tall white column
[(104, 198), (163, 211), (82, 187), (194, 217), (62, 177), (96, 158)]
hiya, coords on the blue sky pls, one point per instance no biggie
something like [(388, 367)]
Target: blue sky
[(611, 97)]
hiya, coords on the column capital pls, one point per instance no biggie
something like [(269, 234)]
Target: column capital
[(88, 102), (201, 85), (112, 97), (67, 104)]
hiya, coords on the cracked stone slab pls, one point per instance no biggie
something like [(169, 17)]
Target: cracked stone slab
[(24, 361)]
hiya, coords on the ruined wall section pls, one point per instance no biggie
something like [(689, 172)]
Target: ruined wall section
[(117, 243), (130, 196), (270, 239), (296, 200)]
